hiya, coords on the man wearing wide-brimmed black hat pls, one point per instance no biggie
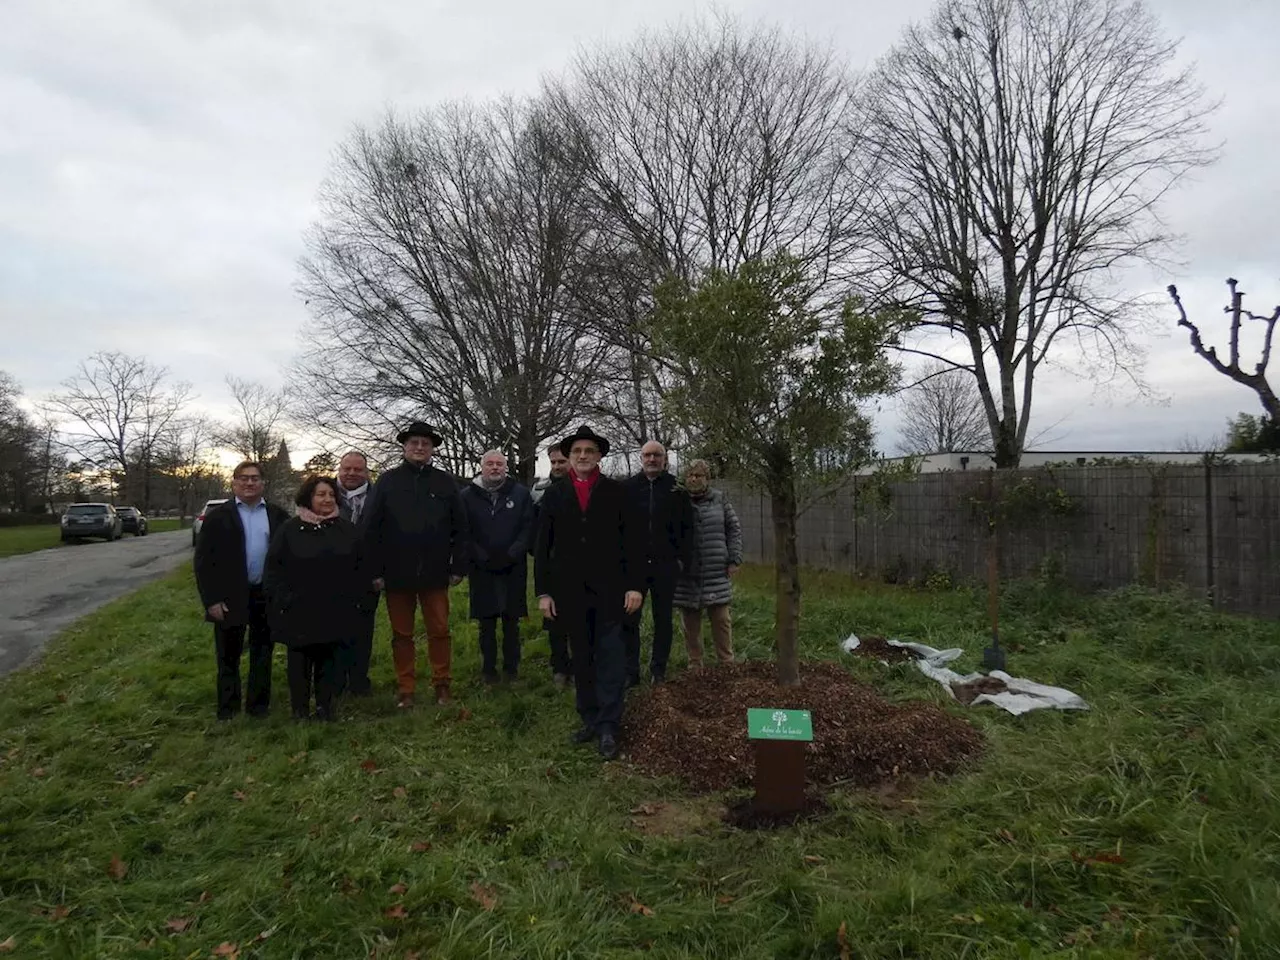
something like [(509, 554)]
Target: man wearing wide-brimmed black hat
[(587, 577), (417, 547)]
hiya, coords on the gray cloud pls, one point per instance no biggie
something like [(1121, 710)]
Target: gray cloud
[(159, 163)]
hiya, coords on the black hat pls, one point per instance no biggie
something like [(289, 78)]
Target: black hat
[(584, 433), (419, 429)]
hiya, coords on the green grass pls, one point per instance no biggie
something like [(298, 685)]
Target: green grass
[(110, 751), (43, 536)]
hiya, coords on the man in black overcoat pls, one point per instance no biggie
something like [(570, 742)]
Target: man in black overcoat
[(230, 558), (354, 495), (586, 575)]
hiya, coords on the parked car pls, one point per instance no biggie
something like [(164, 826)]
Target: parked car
[(91, 520), (132, 521), (198, 522)]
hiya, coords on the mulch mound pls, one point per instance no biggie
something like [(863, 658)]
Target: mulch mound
[(694, 727), (877, 648)]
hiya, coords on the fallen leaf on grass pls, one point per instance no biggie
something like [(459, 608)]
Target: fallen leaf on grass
[(239, 795), (400, 793), (62, 697), (420, 846), (117, 868), (205, 897), (464, 714), (59, 912), (640, 908), (190, 797), (842, 940), (1005, 835), (179, 924), (724, 900), (355, 818), (137, 781), (249, 780), (38, 772), (398, 889), (646, 809), (263, 935), (412, 955), (810, 858), (396, 912), (348, 886), (1103, 856), (9, 945), (227, 949), (296, 757), (369, 766), (487, 897)]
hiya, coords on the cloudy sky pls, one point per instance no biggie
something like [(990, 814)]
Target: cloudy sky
[(159, 161)]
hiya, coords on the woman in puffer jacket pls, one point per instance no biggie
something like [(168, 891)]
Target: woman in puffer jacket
[(717, 553)]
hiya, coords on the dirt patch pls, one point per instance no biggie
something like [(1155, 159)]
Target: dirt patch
[(694, 728), (745, 816), (966, 693), (878, 648), (667, 818)]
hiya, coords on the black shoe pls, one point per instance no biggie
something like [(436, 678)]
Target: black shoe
[(583, 734), (659, 678), (633, 680), (259, 713), (608, 746), (489, 679), (224, 715)]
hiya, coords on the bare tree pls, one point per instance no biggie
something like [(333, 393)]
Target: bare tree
[(258, 427), (942, 412), (1022, 149), (189, 459), (122, 409), (446, 265), (1255, 379)]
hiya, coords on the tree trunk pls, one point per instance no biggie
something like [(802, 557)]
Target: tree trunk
[(786, 567)]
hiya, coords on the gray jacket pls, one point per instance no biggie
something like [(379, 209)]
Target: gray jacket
[(717, 544)]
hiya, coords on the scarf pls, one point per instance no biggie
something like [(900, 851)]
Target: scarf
[(583, 487), (493, 485), (309, 516), (355, 500)]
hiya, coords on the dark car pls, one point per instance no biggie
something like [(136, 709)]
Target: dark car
[(91, 520), (132, 521)]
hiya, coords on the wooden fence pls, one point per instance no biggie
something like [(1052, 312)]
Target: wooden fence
[(1213, 527)]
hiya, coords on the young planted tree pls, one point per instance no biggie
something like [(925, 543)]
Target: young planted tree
[(770, 385), (1020, 153)]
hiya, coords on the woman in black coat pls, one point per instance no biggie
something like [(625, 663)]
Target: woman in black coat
[(315, 582)]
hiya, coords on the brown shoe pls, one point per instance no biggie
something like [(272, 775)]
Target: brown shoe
[(405, 701), (443, 697)]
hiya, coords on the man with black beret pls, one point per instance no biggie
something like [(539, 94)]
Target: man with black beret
[(587, 576)]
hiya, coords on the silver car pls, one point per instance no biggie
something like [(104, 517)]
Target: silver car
[(91, 520), (198, 522)]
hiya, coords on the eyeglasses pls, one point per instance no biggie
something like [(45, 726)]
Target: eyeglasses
[(249, 478)]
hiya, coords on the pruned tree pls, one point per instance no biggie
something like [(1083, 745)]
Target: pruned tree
[(121, 411), (771, 386), (1020, 151), (1262, 329), (447, 265), (942, 412)]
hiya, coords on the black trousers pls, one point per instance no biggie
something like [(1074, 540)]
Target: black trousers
[(355, 655), (599, 666), (313, 668), (561, 662), (489, 646), (660, 586), (229, 643)]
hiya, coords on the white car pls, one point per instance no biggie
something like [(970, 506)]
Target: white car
[(198, 522)]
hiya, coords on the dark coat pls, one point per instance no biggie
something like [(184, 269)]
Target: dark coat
[(315, 582), (587, 559), (416, 533), (501, 526), (717, 546), (666, 517), (370, 601), (222, 576)]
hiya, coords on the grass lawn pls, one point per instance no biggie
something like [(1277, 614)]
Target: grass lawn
[(132, 825), (42, 536)]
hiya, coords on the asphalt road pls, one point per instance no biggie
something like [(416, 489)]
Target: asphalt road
[(42, 593)]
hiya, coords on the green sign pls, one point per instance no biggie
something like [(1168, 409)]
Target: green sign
[(771, 723)]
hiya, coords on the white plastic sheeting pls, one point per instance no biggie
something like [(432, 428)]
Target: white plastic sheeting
[(1021, 695)]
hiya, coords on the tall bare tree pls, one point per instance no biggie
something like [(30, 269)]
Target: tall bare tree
[(942, 412), (121, 410), (445, 265), (1232, 367), (1022, 149), (257, 428)]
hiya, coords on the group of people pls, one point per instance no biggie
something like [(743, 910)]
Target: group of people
[(600, 546)]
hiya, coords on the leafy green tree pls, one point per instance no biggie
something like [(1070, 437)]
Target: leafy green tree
[(770, 385), (1250, 434)]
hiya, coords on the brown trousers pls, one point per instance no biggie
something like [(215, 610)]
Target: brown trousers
[(721, 633), (401, 609)]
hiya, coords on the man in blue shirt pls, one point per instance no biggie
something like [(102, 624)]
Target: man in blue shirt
[(231, 552)]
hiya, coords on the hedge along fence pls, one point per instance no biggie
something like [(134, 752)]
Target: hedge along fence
[(1213, 527)]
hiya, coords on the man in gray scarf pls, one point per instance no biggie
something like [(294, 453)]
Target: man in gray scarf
[(353, 503)]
